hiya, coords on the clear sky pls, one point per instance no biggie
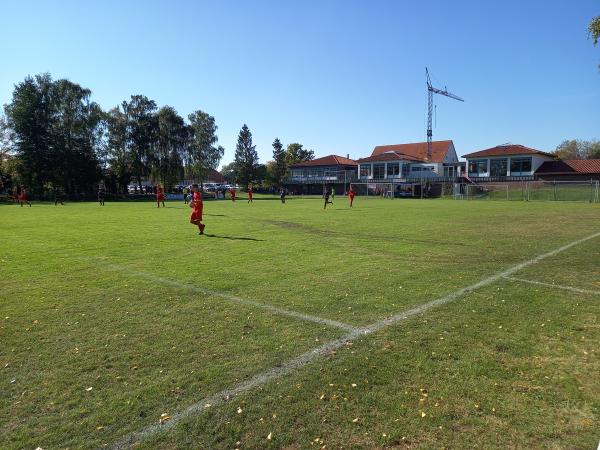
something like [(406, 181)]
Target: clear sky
[(337, 76)]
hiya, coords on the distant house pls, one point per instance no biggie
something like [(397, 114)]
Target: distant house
[(405, 161), (213, 176), (310, 176), (569, 170), (506, 162)]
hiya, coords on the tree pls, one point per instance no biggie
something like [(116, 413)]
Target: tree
[(578, 149), (142, 134), (172, 144), (228, 172), (120, 163), (57, 134), (7, 137), (295, 153), (203, 153), (594, 30), (246, 158), (7, 145), (76, 133), (278, 170)]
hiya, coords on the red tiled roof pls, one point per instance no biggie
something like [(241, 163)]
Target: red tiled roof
[(417, 150), (507, 149), (569, 166), (331, 160), (389, 156)]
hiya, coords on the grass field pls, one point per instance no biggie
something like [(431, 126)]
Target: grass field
[(114, 317)]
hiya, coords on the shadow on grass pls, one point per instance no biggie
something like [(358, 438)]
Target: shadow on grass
[(233, 238), (216, 215)]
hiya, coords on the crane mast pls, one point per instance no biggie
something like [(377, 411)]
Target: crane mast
[(430, 91)]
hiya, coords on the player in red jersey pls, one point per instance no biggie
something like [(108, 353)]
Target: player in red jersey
[(197, 205), (250, 193), (232, 194), (351, 194), (160, 195), (15, 194), (23, 196)]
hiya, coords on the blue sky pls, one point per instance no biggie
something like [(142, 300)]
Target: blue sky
[(337, 76)]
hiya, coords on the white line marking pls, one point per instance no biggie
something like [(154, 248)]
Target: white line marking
[(232, 298), (293, 364), (556, 286)]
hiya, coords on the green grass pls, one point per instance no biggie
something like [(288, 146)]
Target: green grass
[(84, 302)]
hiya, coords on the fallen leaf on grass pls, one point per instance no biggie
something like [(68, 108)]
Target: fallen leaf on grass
[(269, 436), (164, 417), (100, 428), (423, 414), (89, 389), (239, 410), (355, 420)]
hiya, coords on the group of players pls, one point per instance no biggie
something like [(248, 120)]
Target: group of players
[(195, 198), (19, 195), (197, 203)]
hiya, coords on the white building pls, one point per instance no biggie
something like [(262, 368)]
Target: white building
[(405, 161), (503, 161)]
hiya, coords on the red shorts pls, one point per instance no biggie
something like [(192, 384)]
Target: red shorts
[(196, 215), (160, 198)]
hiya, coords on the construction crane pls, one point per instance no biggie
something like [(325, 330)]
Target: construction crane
[(430, 91)]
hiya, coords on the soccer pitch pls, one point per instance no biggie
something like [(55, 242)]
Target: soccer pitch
[(395, 324)]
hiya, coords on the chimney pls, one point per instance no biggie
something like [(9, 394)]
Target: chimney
[(348, 155)]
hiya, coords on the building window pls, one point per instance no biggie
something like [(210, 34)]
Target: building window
[(405, 169), (520, 166), (393, 169), (378, 171), (477, 167), (365, 170), (498, 167)]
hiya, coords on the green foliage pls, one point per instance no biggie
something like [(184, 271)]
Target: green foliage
[(203, 152), (57, 134), (295, 153), (171, 150), (594, 29), (246, 158), (278, 169), (142, 134), (578, 149), (228, 172), (119, 159)]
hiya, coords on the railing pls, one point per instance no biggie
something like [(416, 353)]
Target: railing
[(476, 179)]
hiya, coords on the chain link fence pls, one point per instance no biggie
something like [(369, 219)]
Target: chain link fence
[(572, 191)]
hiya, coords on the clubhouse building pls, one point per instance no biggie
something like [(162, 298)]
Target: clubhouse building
[(409, 171), (508, 162), (409, 161)]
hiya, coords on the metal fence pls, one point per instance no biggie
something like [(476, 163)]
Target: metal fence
[(573, 191)]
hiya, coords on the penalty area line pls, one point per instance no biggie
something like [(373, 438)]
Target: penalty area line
[(232, 298), (554, 286), (296, 363)]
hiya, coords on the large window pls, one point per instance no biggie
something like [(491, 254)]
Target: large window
[(520, 166), (477, 167), (498, 167), (365, 170), (378, 171), (405, 169), (393, 169)]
